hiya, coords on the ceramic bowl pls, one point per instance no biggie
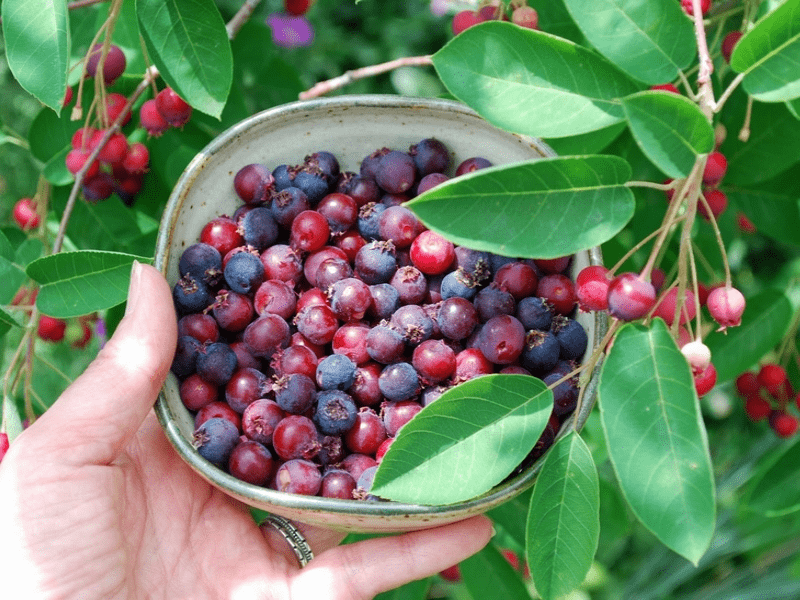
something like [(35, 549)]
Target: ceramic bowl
[(351, 127)]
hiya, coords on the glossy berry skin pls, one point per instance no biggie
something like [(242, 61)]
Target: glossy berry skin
[(318, 323), (630, 297), (520, 280), (430, 156), (726, 305), (310, 231), (25, 215), (295, 436), (400, 226), (396, 414), (253, 183), (396, 172), (298, 476), (137, 158), (251, 462), (716, 166), (783, 424), (215, 440), (151, 120), (367, 433), (559, 291), (266, 335), (113, 66), (223, 234), (51, 329), (457, 318), (705, 380), (501, 339), (431, 253), (434, 360), (376, 262), (337, 483), (757, 408), (771, 376), (260, 419), (202, 261), (217, 409), (591, 288), (173, 109), (747, 384)]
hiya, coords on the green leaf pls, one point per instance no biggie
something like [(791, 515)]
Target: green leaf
[(656, 438), (6, 322), (466, 442), (670, 129), (78, 283), (36, 34), (539, 209), (55, 170), (769, 55), (508, 513), (765, 321), (415, 590), (564, 518), (489, 576), (530, 82), (651, 40), (794, 107), (586, 143), (6, 249), (187, 41), (12, 424), (773, 489), (773, 146)]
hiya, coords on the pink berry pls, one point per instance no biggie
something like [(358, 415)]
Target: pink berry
[(666, 307), (76, 159), (716, 166), (747, 384), (745, 225), (67, 96), (757, 408), (137, 158), (667, 87), (172, 107), (592, 288), (25, 214), (113, 66), (151, 119), (729, 43), (115, 104), (705, 380), (114, 149), (726, 305), (630, 297), (698, 355), (783, 424), (464, 20), (525, 16), (297, 7)]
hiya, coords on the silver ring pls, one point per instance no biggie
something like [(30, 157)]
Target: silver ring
[(291, 534)]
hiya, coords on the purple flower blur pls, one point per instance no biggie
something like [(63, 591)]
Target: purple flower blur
[(289, 31)]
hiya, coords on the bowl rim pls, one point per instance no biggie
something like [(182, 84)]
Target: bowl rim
[(500, 493)]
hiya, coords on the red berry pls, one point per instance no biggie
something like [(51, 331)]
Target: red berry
[(784, 425), (698, 355), (559, 291), (67, 96), (464, 20), (115, 104), (172, 107), (757, 408), (728, 44), (452, 574), (745, 225), (667, 87), (25, 214), (747, 384), (666, 307), (525, 16), (705, 380), (771, 376), (717, 202), (113, 66), (114, 149), (136, 159), (716, 166), (726, 305), (151, 119), (51, 329), (297, 7), (431, 253), (687, 6), (76, 159), (630, 297)]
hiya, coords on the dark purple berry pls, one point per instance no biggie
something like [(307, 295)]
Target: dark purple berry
[(253, 183), (376, 262), (501, 339), (534, 313), (335, 372), (571, 337), (541, 351), (191, 295), (215, 439), (457, 318), (203, 261), (287, 204), (336, 412), (295, 393), (185, 359), (430, 156), (385, 299), (244, 272), (337, 483), (259, 228), (399, 381), (369, 218), (216, 363)]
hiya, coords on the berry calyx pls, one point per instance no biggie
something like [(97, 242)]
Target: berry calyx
[(726, 305), (25, 214), (630, 297), (173, 108)]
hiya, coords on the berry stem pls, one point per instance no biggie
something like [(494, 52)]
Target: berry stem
[(696, 290), (705, 90), (591, 364), (636, 248), (240, 18), (720, 243), (348, 77), (728, 91), (744, 132)]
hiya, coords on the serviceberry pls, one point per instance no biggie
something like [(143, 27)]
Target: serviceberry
[(215, 439), (172, 108), (630, 297), (726, 305)]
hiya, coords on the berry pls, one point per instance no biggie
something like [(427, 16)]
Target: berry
[(310, 231), (399, 381), (114, 150), (667, 305), (25, 214), (559, 291), (729, 43), (318, 323), (217, 409), (172, 108), (335, 372), (376, 262), (350, 340), (726, 305), (747, 384), (534, 313), (470, 165), (340, 210), (259, 228), (51, 329), (337, 483), (434, 360), (113, 65), (202, 261), (705, 380), (457, 318), (195, 392), (298, 476), (431, 253), (783, 424), (492, 301), (687, 6), (232, 311), (275, 296), (367, 433), (385, 344), (396, 414), (716, 166), (572, 338), (757, 408), (336, 412), (414, 323), (136, 159), (717, 203), (501, 339), (75, 161), (698, 355), (591, 288), (525, 16), (115, 105), (245, 386), (151, 119), (295, 436), (260, 420), (771, 377), (253, 183), (350, 298), (630, 297), (520, 280), (464, 20), (215, 439), (667, 87), (297, 7), (541, 351), (244, 272), (400, 226), (251, 462), (216, 363), (430, 156)]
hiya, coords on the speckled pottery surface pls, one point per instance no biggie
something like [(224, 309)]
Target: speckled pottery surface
[(351, 127)]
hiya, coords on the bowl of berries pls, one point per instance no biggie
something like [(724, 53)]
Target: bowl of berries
[(317, 315)]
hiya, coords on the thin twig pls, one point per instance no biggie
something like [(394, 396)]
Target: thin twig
[(240, 18), (339, 82)]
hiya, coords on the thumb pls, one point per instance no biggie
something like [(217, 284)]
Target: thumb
[(99, 413)]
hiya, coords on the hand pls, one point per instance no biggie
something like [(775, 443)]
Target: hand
[(95, 503)]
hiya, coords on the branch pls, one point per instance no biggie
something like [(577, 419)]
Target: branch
[(705, 91), (336, 83), (240, 18)]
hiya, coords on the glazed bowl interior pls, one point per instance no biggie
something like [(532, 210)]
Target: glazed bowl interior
[(351, 127)]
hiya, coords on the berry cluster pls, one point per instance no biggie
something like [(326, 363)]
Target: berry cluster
[(322, 316), (768, 395), (520, 14), (75, 332)]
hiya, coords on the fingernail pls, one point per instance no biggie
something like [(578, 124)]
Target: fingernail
[(494, 531), (133, 288)]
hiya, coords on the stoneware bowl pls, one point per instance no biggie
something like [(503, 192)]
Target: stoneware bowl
[(351, 127)]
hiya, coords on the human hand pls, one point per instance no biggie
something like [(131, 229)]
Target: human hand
[(95, 503)]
